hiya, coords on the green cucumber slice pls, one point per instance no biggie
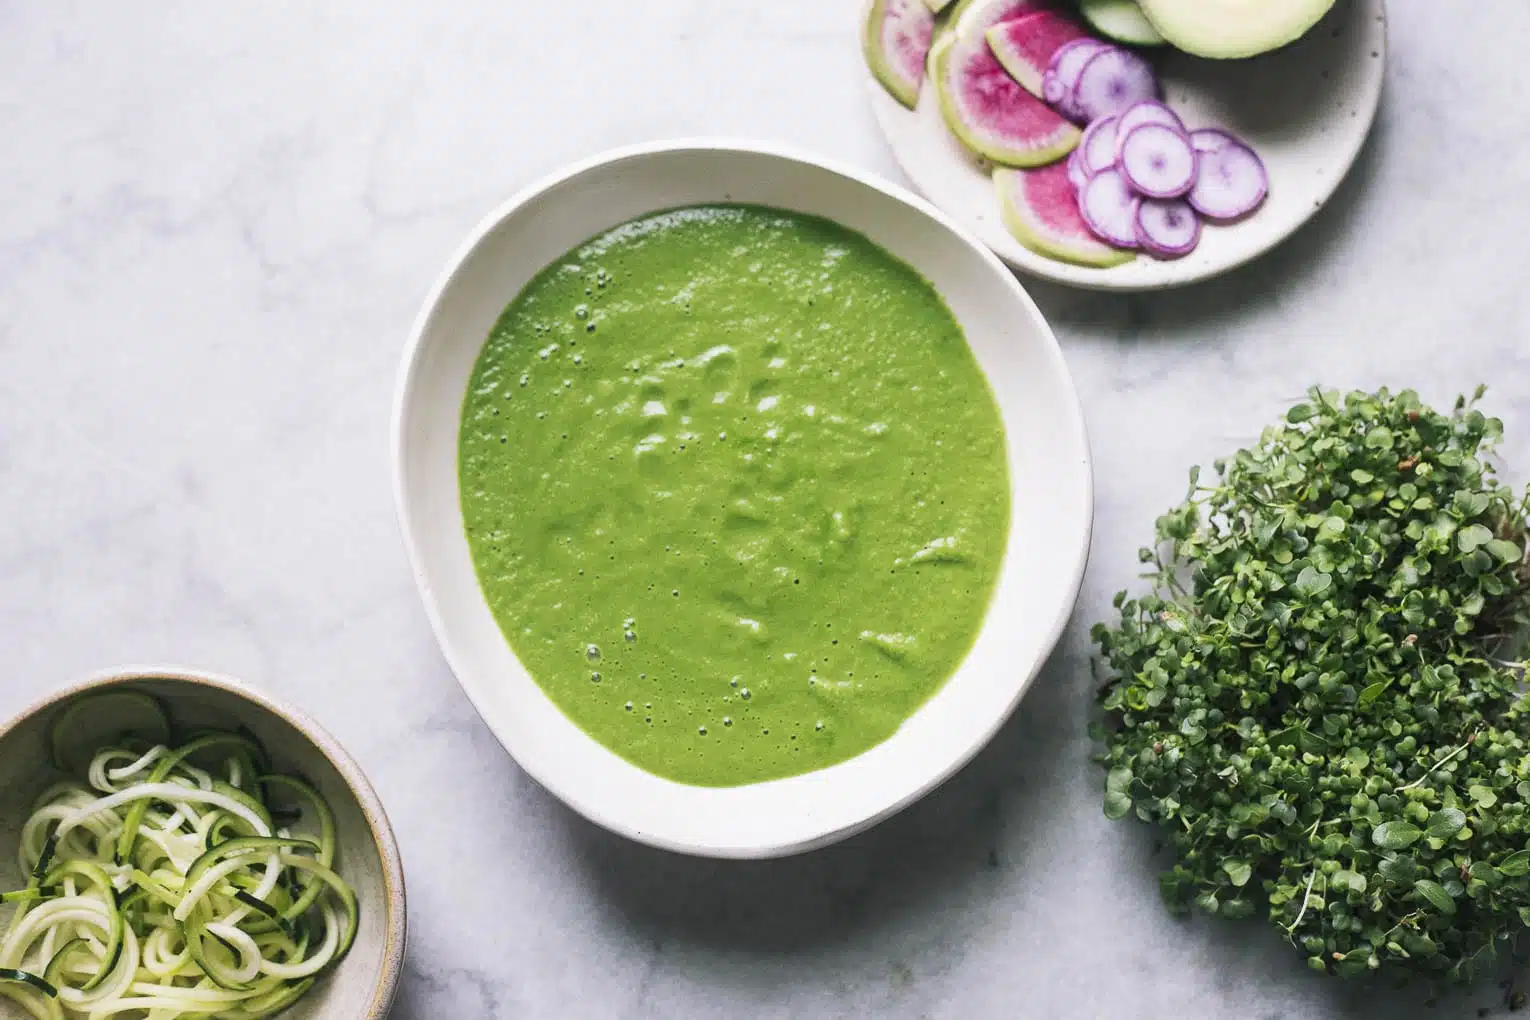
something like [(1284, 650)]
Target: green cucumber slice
[(1122, 21), (1231, 29)]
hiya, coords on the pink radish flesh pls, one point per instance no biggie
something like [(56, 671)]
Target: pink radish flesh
[(1099, 145), (1232, 183), (1078, 174), (1167, 228), (1067, 64), (1211, 139), (979, 19), (1113, 81), (1150, 111), (1109, 207), (1026, 45), (1158, 161)]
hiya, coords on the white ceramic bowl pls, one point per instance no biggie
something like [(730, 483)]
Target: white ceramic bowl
[(1048, 459), (362, 987)]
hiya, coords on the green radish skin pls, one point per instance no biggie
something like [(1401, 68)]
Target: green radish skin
[(991, 113), (936, 6), (896, 41), (1040, 208), (1233, 29), (1121, 21)]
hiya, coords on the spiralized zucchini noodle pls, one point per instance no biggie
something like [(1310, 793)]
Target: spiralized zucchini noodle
[(169, 885)]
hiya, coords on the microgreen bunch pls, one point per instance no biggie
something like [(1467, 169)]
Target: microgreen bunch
[(1315, 702)]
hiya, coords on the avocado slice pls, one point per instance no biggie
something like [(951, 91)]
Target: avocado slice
[(1229, 29)]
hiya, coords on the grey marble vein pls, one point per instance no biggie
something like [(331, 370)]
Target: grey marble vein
[(218, 221)]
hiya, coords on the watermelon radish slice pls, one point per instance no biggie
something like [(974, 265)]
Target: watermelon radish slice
[(1067, 64), (1109, 207), (1113, 81), (1027, 45), (976, 17), (1167, 228), (990, 112), (897, 40), (1040, 208), (1232, 183)]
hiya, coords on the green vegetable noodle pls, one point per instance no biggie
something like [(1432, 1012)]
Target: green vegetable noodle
[(162, 882), (1319, 701)]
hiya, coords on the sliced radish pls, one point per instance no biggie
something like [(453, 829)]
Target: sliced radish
[(1113, 81), (1052, 88), (1078, 173), (1167, 228), (1158, 161), (1098, 146), (1149, 111), (1067, 64), (1110, 208), (1232, 182), (1211, 139), (1026, 45), (1040, 208)]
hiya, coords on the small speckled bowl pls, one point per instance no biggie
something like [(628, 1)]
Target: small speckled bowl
[(363, 986)]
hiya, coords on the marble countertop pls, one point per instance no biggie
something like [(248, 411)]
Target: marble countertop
[(218, 221)]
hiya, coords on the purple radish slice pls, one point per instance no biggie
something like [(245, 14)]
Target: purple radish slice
[(1149, 111), (1212, 139), (989, 111), (1052, 88), (1098, 146), (1232, 183), (1167, 228), (1112, 82), (1067, 63), (896, 42), (1026, 45), (1040, 208), (1158, 161), (1110, 208), (1078, 173)]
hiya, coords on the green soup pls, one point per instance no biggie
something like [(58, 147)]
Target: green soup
[(735, 489)]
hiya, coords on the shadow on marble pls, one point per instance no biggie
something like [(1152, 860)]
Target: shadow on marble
[(910, 864), (1280, 275)]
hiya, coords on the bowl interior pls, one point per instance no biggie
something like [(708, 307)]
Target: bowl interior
[(363, 984), (1048, 460)]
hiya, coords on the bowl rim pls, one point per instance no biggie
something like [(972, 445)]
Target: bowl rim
[(1051, 350), (396, 922)]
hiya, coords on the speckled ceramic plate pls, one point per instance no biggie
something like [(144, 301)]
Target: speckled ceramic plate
[(1305, 109)]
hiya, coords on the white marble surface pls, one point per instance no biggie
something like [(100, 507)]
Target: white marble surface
[(217, 223)]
